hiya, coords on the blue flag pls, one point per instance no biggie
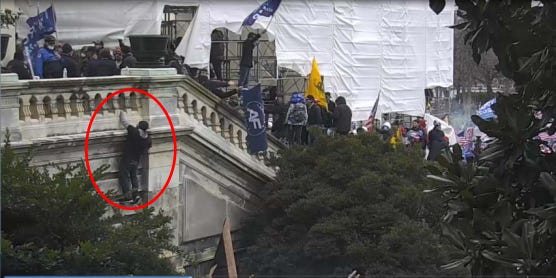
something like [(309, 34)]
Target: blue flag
[(268, 8), (486, 112), (254, 120), (39, 26)]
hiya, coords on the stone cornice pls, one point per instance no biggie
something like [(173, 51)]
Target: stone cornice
[(101, 137)]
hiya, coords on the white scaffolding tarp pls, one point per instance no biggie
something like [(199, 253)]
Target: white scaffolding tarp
[(362, 47)]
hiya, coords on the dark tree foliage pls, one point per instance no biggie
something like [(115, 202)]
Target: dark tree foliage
[(346, 203), (56, 224), (502, 209)]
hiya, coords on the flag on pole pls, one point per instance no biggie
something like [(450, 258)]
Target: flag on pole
[(486, 112), (254, 120), (39, 26), (370, 122), (268, 8), (315, 87)]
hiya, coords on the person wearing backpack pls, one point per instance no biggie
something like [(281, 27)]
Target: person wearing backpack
[(296, 118)]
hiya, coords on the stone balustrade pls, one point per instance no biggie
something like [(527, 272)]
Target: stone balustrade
[(37, 109), (214, 177)]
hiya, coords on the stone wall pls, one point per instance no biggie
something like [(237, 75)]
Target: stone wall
[(214, 176)]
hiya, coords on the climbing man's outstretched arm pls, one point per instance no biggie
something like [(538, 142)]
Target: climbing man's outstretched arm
[(123, 119)]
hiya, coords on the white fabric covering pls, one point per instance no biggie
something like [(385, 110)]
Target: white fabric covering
[(362, 47)]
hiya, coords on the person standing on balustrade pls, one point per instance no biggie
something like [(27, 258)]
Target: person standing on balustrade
[(137, 144), (246, 62), (217, 49)]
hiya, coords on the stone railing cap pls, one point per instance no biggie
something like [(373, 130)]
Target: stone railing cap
[(8, 77), (148, 71)]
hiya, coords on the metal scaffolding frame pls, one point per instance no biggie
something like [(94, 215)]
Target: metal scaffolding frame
[(265, 70), (176, 20)]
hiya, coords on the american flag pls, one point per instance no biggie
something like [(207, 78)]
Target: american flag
[(369, 123), (545, 137), (465, 137)]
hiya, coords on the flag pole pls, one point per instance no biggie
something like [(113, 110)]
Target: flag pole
[(54, 13), (26, 50), (29, 60), (271, 18)]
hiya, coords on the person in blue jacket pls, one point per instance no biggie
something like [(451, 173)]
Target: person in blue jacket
[(48, 62)]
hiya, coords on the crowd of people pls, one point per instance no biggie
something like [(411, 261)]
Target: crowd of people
[(60, 60), (298, 123), (416, 135), (295, 123)]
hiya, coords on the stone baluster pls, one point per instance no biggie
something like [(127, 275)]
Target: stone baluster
[(60, 109), (73, 106), (80, 109), (26, 110), (223, 130), (204, 118), (185, 104), (240, 140), (213, 124), (194, 111), (86, 103), (110, 105), (123, 102), (133, 104), (68, 109), (21, 112), (47, 107), (97, 101), (231, 135), (34, 112)]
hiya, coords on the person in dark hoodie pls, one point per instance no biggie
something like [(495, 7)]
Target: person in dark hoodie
[(104, 66), (17, 65), (436, 141), (246, 62), (129, 59), (314, 119), (342, 117), (217, 49), (137, 145), (327, 118), (68, 62), (174, 60)]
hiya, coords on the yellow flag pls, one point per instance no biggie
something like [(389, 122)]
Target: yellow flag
[(315, 86)]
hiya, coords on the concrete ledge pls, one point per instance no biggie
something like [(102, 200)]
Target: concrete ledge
[(97, 137), (8, 77), (148, 72)]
